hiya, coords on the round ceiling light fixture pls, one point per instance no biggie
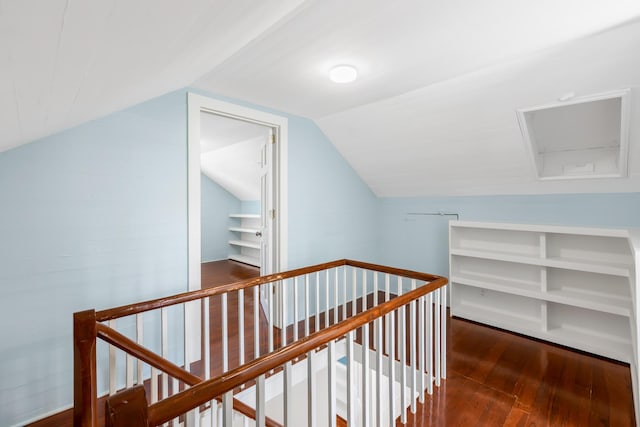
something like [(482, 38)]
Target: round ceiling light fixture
[(343, 73)]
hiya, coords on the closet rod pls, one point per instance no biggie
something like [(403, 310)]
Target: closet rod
[(439, 213)]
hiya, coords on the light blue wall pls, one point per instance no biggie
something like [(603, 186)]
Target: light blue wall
[(421, 242), (216, 205), (332, 213), (250, 206), (96, 216), (92, 217)]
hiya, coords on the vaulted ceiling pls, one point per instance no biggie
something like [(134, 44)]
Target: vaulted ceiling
[(433, 111)]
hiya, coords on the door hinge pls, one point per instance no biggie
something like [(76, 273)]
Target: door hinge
[(272, 213), (272, 138)]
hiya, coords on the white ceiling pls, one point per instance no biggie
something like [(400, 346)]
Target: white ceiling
[(65, 62), (433, 111), (230, 154)]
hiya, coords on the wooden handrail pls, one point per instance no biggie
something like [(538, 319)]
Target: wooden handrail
[(186, 400), (131, 309), (129, 346)]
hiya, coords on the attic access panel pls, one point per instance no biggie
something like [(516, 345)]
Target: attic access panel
[(585, 137)]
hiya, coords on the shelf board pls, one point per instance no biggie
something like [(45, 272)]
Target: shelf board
[(245, 244), (589, 266), (246, 216), (554, 229), (615, 348), (601, 303), (244, 230), (567, 264), (245, 259), (518, 287)]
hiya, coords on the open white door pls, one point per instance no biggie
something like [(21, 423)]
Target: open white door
[(266, 204), (267, 222)]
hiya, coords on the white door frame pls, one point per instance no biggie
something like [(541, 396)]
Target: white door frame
[(197, 103)]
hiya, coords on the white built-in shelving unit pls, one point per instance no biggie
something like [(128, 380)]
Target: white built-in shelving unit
[(572, 286), (246, 247)]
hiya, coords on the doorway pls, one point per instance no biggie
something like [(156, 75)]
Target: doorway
[(273, 182), (236, 181)]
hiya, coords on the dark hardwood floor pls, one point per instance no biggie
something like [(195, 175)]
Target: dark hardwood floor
[(495, 378)]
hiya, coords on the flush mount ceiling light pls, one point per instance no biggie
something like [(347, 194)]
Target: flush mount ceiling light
[(343, 74)]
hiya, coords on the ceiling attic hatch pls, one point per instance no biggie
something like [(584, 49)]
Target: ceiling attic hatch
[(584, 137)]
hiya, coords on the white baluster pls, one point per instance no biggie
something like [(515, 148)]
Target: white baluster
[(311, 391), (288, 396), (260, 402), (227, 408), (421, 355), (376, 343), (335, 295), (206, 330), (295, 309), (344, 292), (256, 322), (351, 398), (387, 296), (413, 358), (375, 288), (241, 325), (430, 343), (113, 386), (129, 370), (437, 307), (306, 305), (365, 291), (402, 344), (164, 345), (225, 335), (443, 327), (317, 310), (270, 325), (283, 310), (331, 361), (392, 367), (366, 389), (379, 402), (354, 292), (327, 286), (139, 340), (154, 385)]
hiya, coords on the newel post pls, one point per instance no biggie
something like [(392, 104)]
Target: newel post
[(85, 400)]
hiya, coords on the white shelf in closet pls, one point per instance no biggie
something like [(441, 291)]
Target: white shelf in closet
[(246, 216), (244, 230), (245, 244), (573, 286)]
